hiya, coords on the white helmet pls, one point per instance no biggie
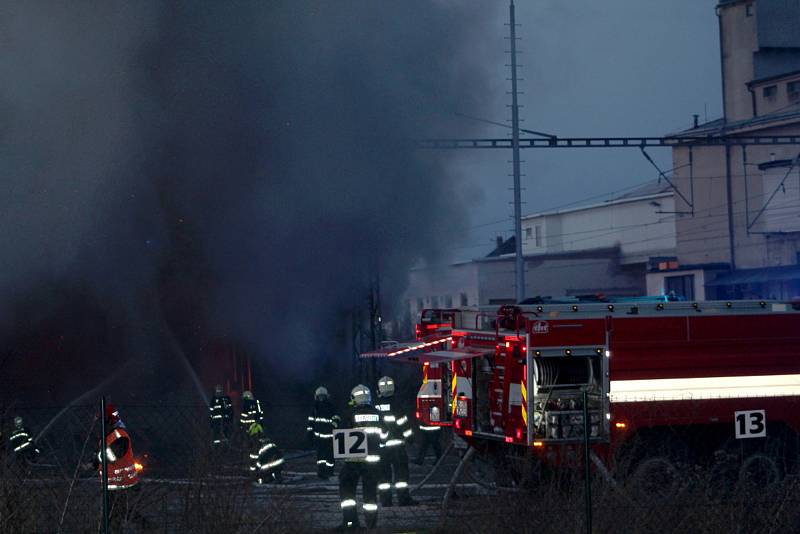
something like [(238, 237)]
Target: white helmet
[(18, 422), (386, 386), (361, 395), (247, 394), (321, 393)]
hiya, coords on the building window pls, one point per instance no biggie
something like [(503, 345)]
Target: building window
[(434, 302), (465, 299), (748, 10), (448, 301), (538, 235), (680, 286), (420, 303), (528, 233), (770, 91), (793, 90)]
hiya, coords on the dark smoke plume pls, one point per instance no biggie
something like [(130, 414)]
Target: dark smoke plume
[(222, 171)]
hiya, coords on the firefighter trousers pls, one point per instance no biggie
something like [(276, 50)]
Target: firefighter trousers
[(394, 459), (324, 448), (429, 438), (348, 483), (220, 431)]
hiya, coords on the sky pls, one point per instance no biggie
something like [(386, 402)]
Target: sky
[(612, 68)]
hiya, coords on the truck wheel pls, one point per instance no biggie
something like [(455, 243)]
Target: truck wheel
[(760, 470), (656, 476), (722, 478)]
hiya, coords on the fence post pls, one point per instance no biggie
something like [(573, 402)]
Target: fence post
[(587, 473), (104, 461)]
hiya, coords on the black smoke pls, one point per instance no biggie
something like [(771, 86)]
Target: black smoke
[(212, 171)]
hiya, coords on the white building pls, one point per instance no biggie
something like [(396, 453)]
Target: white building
[(604, 248), (739, 221)]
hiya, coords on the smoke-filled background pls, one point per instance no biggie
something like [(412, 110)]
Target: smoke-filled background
[(204, 178)]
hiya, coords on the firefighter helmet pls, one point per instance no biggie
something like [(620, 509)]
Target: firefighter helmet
[(248, 395), (112, 414), (385, 387), (361, 395), (18, 422), (218, 391), (321, 393)]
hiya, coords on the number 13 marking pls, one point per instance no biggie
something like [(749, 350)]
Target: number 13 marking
[(750, 424)]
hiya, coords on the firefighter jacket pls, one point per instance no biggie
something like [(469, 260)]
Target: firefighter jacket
[(221, 409), (368, 418), (397, 425), (323, 420), (21, 442), (251, 413), (265, 459), (122, 472)]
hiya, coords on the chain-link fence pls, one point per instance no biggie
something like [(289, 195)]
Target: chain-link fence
[(190, 486)]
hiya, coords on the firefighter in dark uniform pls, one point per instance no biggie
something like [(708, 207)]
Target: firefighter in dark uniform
[(266, 459), (393, 453), (251, 411), (221, 416), (430, 437), (366, 468), (21, 443), (321, 423)]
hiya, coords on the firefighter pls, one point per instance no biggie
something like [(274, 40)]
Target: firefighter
[(221, 416), (393, 453), (266, 459), (122, 470), (366, 468), (21, 443), (251, 411), (321, 423), (430, 437)]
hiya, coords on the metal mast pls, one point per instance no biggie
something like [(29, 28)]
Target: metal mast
[(520, 262)]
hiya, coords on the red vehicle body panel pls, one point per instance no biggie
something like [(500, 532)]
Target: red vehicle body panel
[(712, 360)]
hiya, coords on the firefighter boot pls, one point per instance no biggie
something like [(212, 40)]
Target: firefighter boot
[(371, 515), (403, 495), (385, 494)]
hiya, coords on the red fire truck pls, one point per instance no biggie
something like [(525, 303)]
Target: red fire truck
[(666, 383)]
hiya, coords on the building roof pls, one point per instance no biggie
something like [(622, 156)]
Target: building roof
[(506, 247), (656, 187), (612, 252), (775, 77), (649, 190), (719, 127)]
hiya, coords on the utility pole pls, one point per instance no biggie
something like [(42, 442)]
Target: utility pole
[(104, 463), (520, 261)]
